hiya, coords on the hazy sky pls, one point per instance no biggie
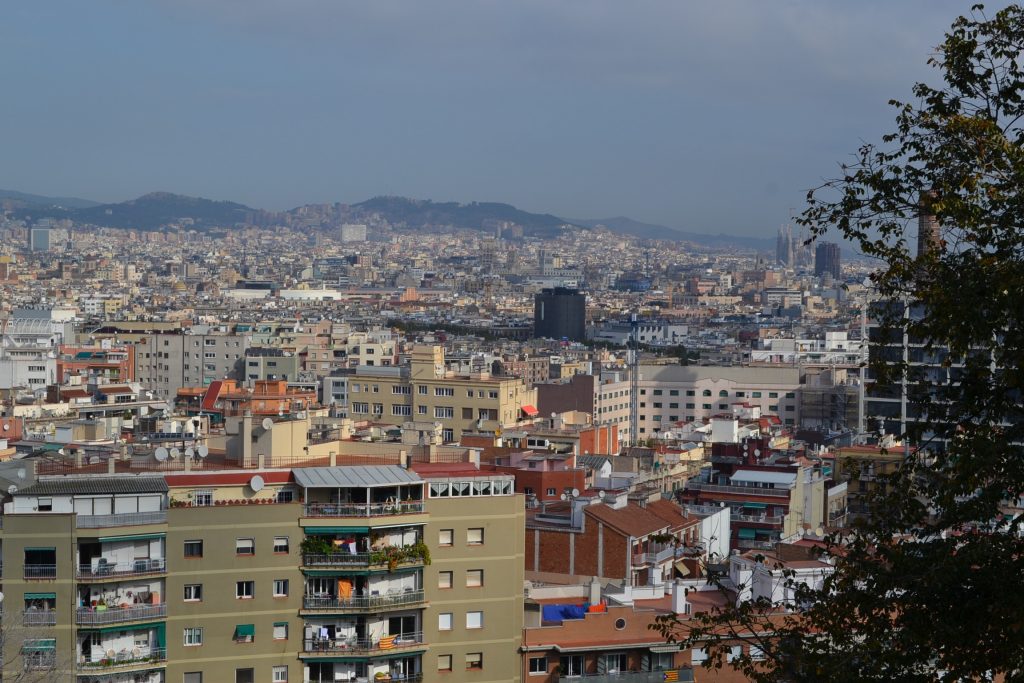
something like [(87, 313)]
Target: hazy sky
[(711, 116)]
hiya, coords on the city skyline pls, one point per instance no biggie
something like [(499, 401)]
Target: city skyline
[(529, 104)]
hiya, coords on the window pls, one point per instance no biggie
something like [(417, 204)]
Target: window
[(193, 592), (280, 674), (475, 536), (757, 653), (690, 406), (401, 410), (444, 662), (723, 394), (401, 389), (538, 665), (280, 588), (285, 497), (474, 578), (474, 660), (706, 406), (444, 621), (193, 549), (39, 653), (245, 633), (734, 652), (445, 537), (193, 636), (773, 394), (774, 407), (444, 579), (444, 391), (551, 492), (528, 490), (691, 392), (790, 394), (281, 543), (706, 392), (492, 394), (281, 630), (657, 392), (755, 394), (45, 505), (244, 589), (422, 389), (245, 546), (193, 677), (673, 392), (616, 662), (245, 675), (723, 406), (572, 665), (474, 619), (442, 412), (698, 655)]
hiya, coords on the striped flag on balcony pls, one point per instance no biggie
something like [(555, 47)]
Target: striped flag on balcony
[(387, 642), (671, 675)]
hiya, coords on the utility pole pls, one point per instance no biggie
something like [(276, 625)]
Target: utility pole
[(634, 380)]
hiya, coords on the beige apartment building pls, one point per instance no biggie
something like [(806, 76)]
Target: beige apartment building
[(426, 391), (303, 574)]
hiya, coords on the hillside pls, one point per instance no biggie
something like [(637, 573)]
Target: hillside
[(154, 210), (25, 200), (423, 214)]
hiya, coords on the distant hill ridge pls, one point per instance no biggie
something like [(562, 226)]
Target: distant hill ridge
[(157, 209)]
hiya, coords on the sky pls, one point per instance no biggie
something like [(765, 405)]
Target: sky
[(704, 116)]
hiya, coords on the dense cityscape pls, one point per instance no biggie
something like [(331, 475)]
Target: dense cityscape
[(406, 440)]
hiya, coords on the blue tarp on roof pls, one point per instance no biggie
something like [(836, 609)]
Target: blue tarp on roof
[(559, 613)]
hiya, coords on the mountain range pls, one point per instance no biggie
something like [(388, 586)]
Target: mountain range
[(156, 209)]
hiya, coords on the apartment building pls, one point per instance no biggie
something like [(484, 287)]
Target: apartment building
[(605, 397), (672, 393), (425, 391), (305, 574)]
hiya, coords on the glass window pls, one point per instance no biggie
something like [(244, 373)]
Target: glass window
[(193, 592), (445, 537), (245, 675), (444, 662), (474, 578), (474, 660), (444, 579), (245, 633), (281, 544), (444, 621), (698, 655), (475, 536), (538, 665), (280, 674), (474, 619), (244, 589), (281, 630), (280, 588), (245, 546), (193, 548), (193, 636)]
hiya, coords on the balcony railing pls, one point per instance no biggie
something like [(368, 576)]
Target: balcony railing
[(39, 617), (90, 616), (684, 675), (755, 545), (125, 659), (744, 490), (40, 571), (134, 568), (398, 556), (735, 516), (123, 519), (363, 509), (362, 603), (360, 646), (409, 678)]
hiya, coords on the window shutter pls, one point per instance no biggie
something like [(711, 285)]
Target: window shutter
[(645, 661)]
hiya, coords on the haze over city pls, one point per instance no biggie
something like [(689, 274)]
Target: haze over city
[(708, 117)]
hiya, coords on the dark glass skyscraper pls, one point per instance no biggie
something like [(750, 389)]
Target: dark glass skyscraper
[(826, 260), (560, 313)]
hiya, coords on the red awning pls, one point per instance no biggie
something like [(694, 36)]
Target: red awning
[(531, 411)]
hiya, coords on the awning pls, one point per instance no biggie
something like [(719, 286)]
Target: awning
[(681, 568), (760, 506), (749, 534), (123, 627), (42, 645), (531, 410), (136, 537), (40, 596), (670, 647), (245, 631), (336, 530)]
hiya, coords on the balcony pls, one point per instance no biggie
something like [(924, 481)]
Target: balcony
[(90, 616), (39, 617), (361, 647), (104, 570), (735, 490), (125, 660), (363, 509), (123, 519), (683, 675), (389, 557), (40, 571), (657, 556), (755, 545), (368, 603), (409, 678)]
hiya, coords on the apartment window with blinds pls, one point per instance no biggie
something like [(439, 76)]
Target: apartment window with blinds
[(475, 536), (245, 546), (474, 578)]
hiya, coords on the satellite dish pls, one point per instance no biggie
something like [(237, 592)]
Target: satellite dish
[(1, 597), (256, 483), (160, 454), (757, 452), (575, 493), (563, 496), (202, 451), (174, 453), (819, 531), (601, 493), (21, 473), (6, 426), (12, 489), (268, 423), (189, 453)]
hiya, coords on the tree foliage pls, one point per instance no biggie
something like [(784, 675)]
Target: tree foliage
[(932, 587)]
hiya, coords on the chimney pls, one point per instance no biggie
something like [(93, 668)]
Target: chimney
[(187, 462), (246, 434), (680, 605), (78, 458), (124, 451), (403, 459), (111, 465), (260, 460), (594, 591), (333, 459)]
